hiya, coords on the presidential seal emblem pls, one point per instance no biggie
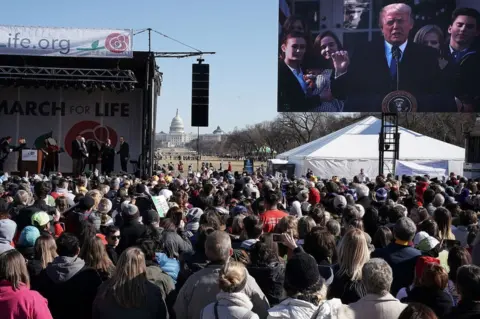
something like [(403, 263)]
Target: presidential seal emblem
[(399, 102)]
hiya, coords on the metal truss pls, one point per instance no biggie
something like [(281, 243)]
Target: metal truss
[(67, 74), (180, 55)]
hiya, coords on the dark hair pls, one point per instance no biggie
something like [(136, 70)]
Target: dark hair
[(417, 311), (356, 223), (168, 224), (428, 196), (253, 226), (430, 227), (149, 248), (321, 245), (318, 215), (383, 236), (457, 257), (328, 33), (111, 229), (350, 212), (287, 26), (68, 245), (272, 197), (212, 219), (468, 282), (41, 189), (262, 255), (370, 221), (469, 12), (468, 217), (422, 213)]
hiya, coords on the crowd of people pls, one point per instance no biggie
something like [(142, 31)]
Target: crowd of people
[(234, 245), (318, 74)]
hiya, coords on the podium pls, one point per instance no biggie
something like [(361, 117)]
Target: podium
[(30, 161)]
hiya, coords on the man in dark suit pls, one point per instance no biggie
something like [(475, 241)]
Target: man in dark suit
[(124, 154), (373, 73), (108, 158), (292, 87), (464, 59), (4, 150), (78, 155)]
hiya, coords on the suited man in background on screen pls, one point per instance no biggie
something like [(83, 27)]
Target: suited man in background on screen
[(78, 155), (124, 154), (372, 73)]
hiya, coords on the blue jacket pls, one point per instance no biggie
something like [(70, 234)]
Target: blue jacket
[(169, 265)]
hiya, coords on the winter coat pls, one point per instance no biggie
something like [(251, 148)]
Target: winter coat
[(465, 310), (346, 289), (107, 308), (375, 307), (69, 287), (130, 232), (270, 279), (160, 278), (22, 303), (169, 265), (300, 309), (230, 306), (438, 300), (201, 289)]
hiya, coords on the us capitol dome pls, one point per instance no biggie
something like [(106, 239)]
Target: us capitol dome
[(177, 137)]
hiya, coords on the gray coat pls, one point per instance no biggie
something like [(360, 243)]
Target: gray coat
[(201, 289), (230, 306)]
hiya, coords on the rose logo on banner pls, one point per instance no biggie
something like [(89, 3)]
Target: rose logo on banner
[(117, 43), (91, 131)]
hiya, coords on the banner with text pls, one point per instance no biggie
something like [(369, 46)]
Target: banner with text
[(69, 42), (101, 115)]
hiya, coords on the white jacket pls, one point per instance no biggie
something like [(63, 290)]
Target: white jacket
[(230, 306), (299, 309)]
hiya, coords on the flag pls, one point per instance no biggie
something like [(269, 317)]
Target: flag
[(40, 141)]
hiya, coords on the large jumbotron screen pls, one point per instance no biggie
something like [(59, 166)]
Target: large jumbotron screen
[(378, 56)]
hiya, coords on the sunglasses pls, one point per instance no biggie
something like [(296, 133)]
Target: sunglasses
[(115, 237)]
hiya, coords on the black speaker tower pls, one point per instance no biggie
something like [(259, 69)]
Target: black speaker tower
[(200, 93)]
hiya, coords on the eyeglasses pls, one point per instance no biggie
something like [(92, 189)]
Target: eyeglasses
[(115, 237)]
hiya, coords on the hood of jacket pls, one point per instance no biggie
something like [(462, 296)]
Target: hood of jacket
[(238, 299), (293, 308), (63, 268)]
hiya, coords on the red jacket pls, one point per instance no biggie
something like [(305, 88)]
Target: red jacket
[(313, 196), (22, 304)]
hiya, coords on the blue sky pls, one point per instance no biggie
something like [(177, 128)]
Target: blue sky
[(243, 80)]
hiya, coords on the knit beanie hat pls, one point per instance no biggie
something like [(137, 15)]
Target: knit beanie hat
[(381, 195), (28, 236), (339, 201), (302, 273), (423, 261)]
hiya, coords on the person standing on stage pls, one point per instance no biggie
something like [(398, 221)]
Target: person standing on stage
[(124, 154), (108, 157), (78, 154), (6, 149), (93, 155)]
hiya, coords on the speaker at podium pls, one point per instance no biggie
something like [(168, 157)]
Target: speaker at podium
[(30, 160)]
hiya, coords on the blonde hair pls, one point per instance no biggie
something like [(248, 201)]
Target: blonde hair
[(95, 255), (395, 7), (127, 285), (232, 277), (13, 268), (353, 253), (97, 196), (45, 250), (430, 28), (288, 224)]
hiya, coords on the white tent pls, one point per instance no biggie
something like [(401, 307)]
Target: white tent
[(344, 152)]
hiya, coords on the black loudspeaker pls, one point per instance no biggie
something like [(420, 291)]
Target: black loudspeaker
[(200, 93)]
